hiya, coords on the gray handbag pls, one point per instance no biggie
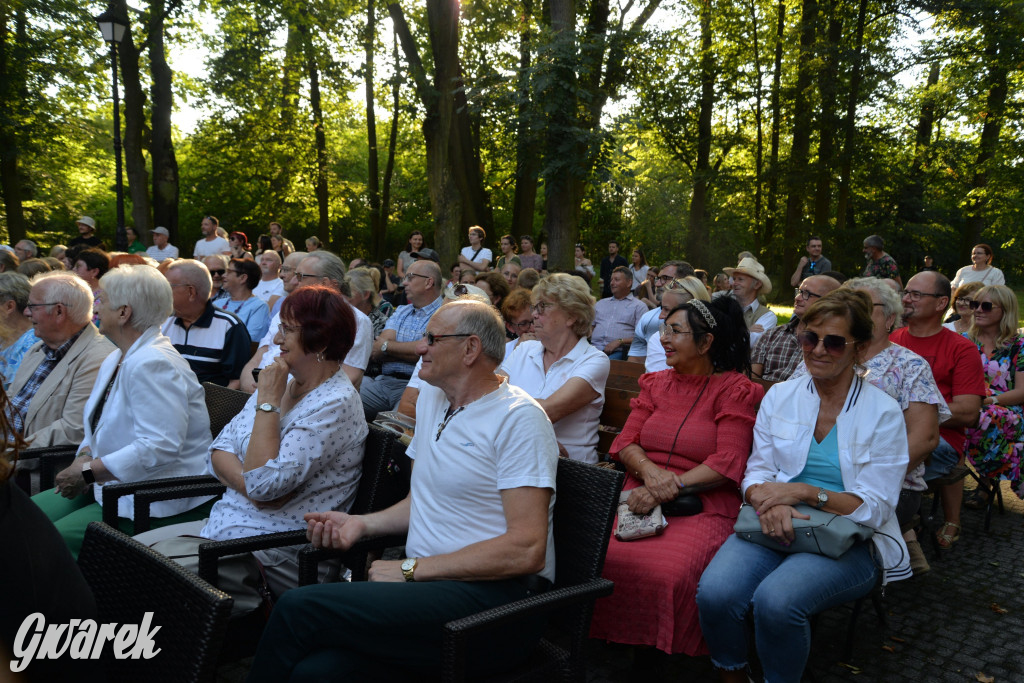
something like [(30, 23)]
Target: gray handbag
[(824, 533)]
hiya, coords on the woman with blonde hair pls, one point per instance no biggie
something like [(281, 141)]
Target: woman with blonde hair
[(561, 369), (994, 446)]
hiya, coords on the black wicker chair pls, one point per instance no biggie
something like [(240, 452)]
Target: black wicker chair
[(129, 580), (223, 404), (47, 461)]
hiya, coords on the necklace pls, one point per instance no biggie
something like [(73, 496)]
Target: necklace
[(448, 415)]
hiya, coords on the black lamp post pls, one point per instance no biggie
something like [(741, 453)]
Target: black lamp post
[(113, 29)]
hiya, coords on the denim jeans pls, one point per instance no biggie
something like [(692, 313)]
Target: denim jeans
[(619, 353), (784, 591), (943, 459)]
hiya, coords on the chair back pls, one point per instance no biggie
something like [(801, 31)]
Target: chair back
[(222, 404), (386, 472), (625, 375), (585, 503), (129, 580)]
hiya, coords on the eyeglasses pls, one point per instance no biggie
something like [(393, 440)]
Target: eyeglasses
[(217, 272), (675, 284), (664, 278), (963, 301), (284, 329), (985, 306), (805, 294), (667, 330), (541, 307), (409, 276), (833, 343), (287, 269), (432, 338), (523, 326), (915, 295), (300, 276), (55, 303)]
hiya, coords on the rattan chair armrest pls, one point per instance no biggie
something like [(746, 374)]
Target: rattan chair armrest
[(145, 497), (115, 491), (210, 553), (354, 558)]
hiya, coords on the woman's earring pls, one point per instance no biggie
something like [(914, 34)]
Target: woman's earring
[(319, 356)]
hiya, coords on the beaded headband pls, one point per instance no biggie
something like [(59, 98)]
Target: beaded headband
[(704, 311)]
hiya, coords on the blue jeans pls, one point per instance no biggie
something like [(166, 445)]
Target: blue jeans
[(784, 591), (944, 458), (619, 353)]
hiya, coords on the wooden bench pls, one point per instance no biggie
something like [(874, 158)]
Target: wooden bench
[(621, 388)]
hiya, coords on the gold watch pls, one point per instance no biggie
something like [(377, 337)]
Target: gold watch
[(409, 568)]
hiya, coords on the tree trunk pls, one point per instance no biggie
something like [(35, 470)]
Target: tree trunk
[(322, 196), (697, 238), (161, 151), (758, 121), (843, 208), (994, 112), (527, 157), (134, 131), (911, 205), (378, 235), (389, 167), (774, 170), (828, 124), (799, 153), (12, 82)]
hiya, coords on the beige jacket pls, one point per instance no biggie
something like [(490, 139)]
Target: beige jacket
[(55, 413)]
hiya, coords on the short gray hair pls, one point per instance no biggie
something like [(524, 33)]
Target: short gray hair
[(483, 321), (331, 267), (65, 287), (434, 272), (196, 274), (30, 247), (875, 241), (361, 280), (221, 258), (144, 289), (15, 286), (891, 303)]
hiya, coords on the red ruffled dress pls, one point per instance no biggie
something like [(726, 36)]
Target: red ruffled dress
[(654, 602)]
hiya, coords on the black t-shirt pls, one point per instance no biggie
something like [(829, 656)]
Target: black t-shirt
[(93, 241)]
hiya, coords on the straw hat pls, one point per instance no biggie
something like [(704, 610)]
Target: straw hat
[(751, 267)]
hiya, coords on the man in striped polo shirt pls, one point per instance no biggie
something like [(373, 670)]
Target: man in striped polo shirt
[(213, 341)]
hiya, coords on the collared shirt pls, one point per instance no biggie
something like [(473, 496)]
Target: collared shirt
[(616, 319), (756, 314), (409, 324), (10, 357), (19, 404), (822, 265), (649, 323), (884, 267), (216, 345), (778, 351)]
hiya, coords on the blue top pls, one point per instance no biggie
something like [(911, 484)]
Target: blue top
[(253, 312), (409, 324), (10, 357), (822, 468)]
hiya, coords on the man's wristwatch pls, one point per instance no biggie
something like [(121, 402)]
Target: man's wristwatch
[(409, 568), (87, 473), (822, 499), (267, 408), (384, 347)]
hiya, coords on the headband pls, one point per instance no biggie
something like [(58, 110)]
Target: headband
[(705, 312)]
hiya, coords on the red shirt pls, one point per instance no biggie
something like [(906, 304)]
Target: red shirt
[(956, 365)]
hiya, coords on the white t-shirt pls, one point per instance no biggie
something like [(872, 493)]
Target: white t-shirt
[(268, 288), (358, 356), (484, 255), (577, 431), (656, 359), (989, 276), (501, 441), (158, 254), (212, 247)]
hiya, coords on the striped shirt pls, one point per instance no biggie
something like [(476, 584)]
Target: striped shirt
[(216, 345)]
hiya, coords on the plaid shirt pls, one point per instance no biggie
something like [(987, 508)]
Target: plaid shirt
[(778, 351), (19, 404)]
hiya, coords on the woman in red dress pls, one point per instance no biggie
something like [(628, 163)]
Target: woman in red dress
[(692, 425)]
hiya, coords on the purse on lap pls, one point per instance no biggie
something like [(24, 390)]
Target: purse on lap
[(824, 533), (632, 527)]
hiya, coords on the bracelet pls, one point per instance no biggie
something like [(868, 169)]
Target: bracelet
[(636, 470)]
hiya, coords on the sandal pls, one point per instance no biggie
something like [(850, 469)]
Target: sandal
[(945, 541)]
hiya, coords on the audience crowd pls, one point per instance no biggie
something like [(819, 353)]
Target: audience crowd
[(871, 393)]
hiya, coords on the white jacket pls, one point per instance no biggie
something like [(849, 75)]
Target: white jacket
[(154, 423), (873, 455)]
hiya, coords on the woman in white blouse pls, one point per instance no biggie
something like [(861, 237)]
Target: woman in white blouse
[(296, 447), (561, 369), (981, 269)]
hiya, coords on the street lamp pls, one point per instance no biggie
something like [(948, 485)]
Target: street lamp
[(113, 28)]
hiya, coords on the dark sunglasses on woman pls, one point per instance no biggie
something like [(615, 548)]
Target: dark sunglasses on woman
[(833, 343), (985, 306)]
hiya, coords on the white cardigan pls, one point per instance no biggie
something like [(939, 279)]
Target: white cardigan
[(873, 455), (154, 423)]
